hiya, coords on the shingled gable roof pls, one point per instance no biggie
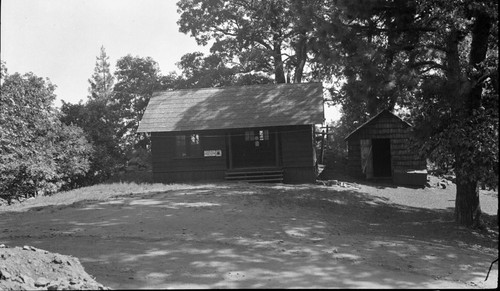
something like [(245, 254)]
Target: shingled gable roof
[(371, 120), (234, 107)]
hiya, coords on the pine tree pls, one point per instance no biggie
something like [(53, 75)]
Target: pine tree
[(99, 122), (101, 82)]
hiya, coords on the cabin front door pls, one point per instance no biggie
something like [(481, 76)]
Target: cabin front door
[(253, 148)]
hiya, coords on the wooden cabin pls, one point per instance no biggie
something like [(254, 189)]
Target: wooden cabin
[(378, 149), (258, 133)]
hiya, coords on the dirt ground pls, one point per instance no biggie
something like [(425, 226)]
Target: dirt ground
[(238, 235), (29, 268)]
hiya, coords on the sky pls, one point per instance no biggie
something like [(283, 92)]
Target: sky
[(60, 39)]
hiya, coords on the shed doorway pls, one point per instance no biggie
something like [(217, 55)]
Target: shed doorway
[(381, 154)]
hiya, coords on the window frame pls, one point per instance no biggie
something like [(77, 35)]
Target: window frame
[(257, 135), (188, 146)]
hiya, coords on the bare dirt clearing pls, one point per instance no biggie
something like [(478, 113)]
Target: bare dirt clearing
[(232, 235)]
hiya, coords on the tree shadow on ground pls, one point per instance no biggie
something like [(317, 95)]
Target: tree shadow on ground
[(375, 214), (258, 236)]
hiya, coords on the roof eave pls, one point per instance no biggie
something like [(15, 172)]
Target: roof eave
[(371, 119)]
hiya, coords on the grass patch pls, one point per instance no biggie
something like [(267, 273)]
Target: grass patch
[(135, 176), (100, 192)]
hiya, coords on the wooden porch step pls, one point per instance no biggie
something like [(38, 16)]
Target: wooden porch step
[(255, 175), (264, 181), (247, 177)]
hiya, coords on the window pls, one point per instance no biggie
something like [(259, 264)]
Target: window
[(264, 134), (248, 135), (260, 135), (187, 146)]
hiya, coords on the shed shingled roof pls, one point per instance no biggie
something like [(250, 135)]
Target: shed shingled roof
[(234, 107), (371, 120)]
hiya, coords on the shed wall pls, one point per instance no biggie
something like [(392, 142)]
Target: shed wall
[(402, 159)]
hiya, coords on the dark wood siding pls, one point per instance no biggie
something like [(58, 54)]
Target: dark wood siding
[(354, 157), (297, 152), (169, 168)]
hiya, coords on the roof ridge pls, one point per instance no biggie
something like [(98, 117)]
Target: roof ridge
[(373, 118), (237, 86)]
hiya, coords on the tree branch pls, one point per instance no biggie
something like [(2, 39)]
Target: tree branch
[(225, 32), (432, 64), (482, 79)]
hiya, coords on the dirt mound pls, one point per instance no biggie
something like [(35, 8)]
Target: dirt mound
[(29, 268)]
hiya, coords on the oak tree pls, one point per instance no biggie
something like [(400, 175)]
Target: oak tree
[(38, 154)]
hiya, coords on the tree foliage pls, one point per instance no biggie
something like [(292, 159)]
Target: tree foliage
[(215, 70), (99, 125), (275, 32), (110, 120), (39, 154), (199, 71), (363, 46), (137, 78)]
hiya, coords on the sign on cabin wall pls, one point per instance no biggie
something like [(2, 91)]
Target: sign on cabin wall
[(212, 153)]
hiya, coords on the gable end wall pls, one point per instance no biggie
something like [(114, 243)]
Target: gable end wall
[(385, 127)]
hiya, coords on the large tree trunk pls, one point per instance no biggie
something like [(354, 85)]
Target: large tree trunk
[(301, 57), (467, 206), (279, 72)]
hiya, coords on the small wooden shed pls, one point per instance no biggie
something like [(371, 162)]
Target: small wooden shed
[(254, 133), (378, 149)]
